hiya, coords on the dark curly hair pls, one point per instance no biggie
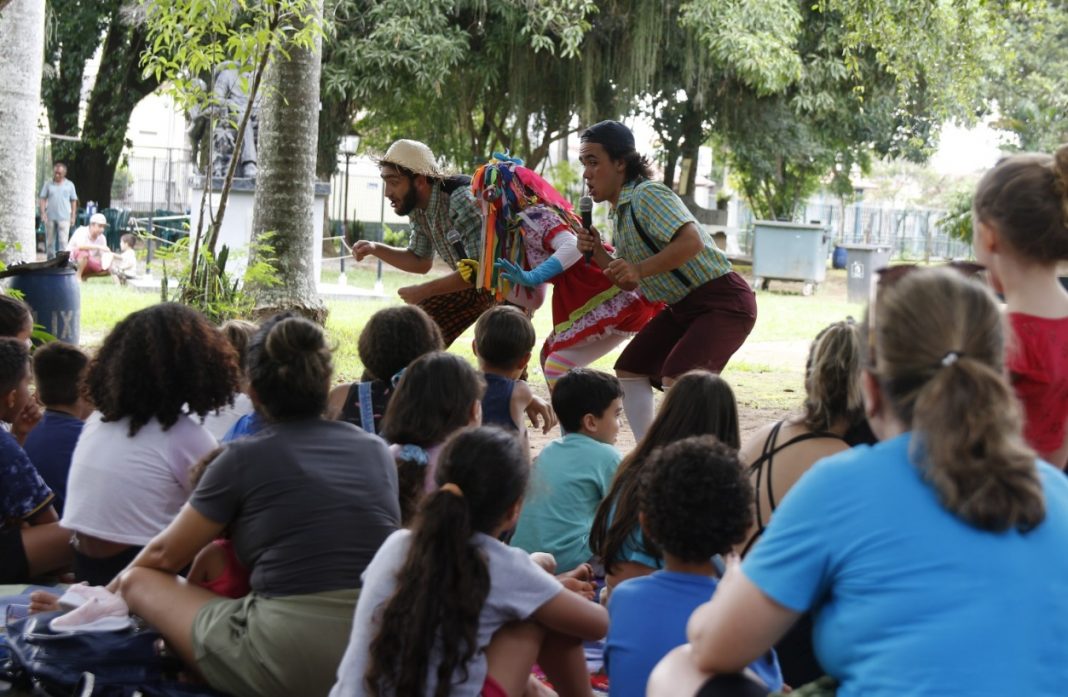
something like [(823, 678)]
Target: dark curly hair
[(432, 401), (15, 316), (699, 403), (14, 363), (289, 368), (393, 338), (491, 470), (696, 499), (159, 362)]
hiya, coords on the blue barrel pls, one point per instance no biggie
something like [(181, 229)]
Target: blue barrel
[(838, 258), (55, 298)]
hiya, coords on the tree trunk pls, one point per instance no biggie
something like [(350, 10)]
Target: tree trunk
[(21, 57), (120, 86), (285, 183)]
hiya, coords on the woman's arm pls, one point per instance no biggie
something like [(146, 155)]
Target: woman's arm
[(737, 626), (178, 544)]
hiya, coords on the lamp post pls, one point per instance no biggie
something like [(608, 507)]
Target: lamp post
[(349, 145)]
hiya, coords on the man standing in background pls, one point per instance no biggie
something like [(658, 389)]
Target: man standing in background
[(59, 205)]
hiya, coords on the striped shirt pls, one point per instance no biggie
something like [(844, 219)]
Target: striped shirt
[(661, 213), (456, 211)]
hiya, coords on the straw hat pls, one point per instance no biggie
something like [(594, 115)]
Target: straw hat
[(414, 156)]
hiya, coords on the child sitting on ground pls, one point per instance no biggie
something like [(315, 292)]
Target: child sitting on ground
[(695, 504), (122, 266), (699, 403), (16, 322), (491, 611), (241, 419), (504, 338), (439, 394), (58, 370), (216, 567), (389, 342), (573, 473)]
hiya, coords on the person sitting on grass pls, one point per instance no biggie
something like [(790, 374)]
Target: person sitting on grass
[(87, 247), (31, 541), (439, 394), (700, 403), (240, 418), (572, 474), (447, 609), (695, 504), (59, 370), (389, 342), (216, 566), (504, 338), (157, 371), (16, 321), (122, 266)]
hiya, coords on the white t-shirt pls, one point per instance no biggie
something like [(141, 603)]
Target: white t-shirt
[(80, 238), (219, 423), (127, 490), (518, 587)]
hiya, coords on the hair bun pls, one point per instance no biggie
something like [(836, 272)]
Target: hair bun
[(293, 337)]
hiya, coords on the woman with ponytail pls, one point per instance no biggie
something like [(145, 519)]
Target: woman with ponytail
[(936, 551), (447, 609), (308, 501)]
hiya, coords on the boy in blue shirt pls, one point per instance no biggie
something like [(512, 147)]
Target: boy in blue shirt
[(58, 369), (573, 473), (695, 504)]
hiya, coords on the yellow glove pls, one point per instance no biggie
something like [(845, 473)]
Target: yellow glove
[(468, 269)]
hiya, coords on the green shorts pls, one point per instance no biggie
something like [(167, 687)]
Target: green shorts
[(274, 646)]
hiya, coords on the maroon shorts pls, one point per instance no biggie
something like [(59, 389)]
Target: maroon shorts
[(703, 330), (92, 261)]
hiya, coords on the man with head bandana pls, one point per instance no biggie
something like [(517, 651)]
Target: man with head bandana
[(435, 205), (662, 251)]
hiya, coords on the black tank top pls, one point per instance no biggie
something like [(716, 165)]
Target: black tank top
[(764, 464)]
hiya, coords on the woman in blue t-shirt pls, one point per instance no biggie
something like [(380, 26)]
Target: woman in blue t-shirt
[(934, 560)]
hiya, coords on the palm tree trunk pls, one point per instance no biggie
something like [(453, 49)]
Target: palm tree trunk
[(285, 182), (21, 57)]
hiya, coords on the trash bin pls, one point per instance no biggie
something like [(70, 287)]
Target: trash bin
[(54, 297), (838, 257), (862, 261), (785, 251)]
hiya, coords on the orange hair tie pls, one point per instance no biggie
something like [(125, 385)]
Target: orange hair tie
[(452, 489)]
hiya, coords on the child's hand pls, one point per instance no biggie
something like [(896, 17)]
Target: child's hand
[(541, 415), (43, 601), (28, 418)]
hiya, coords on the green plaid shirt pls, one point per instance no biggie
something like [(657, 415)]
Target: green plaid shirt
[(661, 214), (456, 211)]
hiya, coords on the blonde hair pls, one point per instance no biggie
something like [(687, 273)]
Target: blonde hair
[(937, 350), (832, 377)]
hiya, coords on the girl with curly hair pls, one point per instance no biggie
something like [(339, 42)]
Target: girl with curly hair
[(156, 376), (492, 611)]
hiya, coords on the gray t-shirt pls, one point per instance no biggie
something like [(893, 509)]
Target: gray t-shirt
[(310, 502), (518, 587), (59, 197)]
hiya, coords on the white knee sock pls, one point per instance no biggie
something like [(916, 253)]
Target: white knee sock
[(638, 404)]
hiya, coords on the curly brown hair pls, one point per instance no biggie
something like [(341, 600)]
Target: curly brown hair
[(393, 338), (160, 362)]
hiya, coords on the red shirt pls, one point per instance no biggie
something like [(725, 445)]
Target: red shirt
[(1037, 361)]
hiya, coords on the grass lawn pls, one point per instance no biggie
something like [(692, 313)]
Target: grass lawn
[(767, 373)]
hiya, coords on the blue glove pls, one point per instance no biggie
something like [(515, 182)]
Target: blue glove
[(534, 277)]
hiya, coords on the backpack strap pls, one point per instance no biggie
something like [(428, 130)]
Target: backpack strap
[(677, 273), (367, 412)]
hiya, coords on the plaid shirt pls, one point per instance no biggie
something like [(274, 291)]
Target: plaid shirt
[(456, 211), (661, 214)]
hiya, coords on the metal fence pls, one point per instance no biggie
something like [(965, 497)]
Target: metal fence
[(911, 233)]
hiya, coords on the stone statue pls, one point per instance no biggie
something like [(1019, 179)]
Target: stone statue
[(230, 103)]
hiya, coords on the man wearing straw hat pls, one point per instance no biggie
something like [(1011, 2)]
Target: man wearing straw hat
[(435, 205)]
